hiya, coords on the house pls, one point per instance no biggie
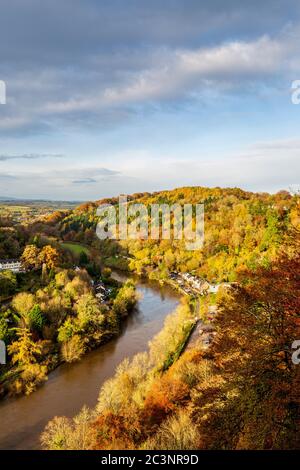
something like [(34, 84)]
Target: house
[(214, 289), (101, 291), (13, 265)]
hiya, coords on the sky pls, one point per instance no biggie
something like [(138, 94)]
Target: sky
[(109, 97)]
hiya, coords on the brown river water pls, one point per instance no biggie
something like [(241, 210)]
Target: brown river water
[(71, 386)]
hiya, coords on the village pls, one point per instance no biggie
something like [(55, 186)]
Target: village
[(190, 284)]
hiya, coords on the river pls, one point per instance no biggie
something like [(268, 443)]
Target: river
[(71, 386)]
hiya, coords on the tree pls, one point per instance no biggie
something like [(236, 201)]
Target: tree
[(23, 303), (254, 383), (49, 256), (89, 311), (24, 350), (83, 259), (178, 432), (73, 349), (36, 319), (30, 257), (3, 329), (69, 434), (67, 330), (8, 283), (125, 299), (62, 278)]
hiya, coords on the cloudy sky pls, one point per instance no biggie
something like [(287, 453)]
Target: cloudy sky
[(107, 96)]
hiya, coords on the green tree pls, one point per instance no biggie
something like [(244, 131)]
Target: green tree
[(83, 259), (36, 318), (67, 330)]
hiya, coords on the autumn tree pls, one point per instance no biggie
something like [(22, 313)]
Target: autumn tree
[(89, 311), (24, 351), (30, 257), (23, 303), (49, 256)]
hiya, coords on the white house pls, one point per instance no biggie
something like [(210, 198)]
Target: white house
[(213, 289), (13, 265)]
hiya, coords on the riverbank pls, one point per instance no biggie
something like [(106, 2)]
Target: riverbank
[(90, 324)]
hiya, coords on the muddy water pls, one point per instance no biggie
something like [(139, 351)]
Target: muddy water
[(71, 386)]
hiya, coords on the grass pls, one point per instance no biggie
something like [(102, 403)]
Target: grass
[(173, 356), (76, 248), (118, 263)]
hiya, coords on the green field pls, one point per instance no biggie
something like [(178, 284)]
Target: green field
[(76, 248)]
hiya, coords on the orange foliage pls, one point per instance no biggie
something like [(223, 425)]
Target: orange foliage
[(116, 431), (163, 397)]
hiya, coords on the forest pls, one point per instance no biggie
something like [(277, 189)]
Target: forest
[(242, 230), (239, 393)]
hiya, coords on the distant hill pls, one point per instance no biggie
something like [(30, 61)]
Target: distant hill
[(7, 199), (38, 202), (243, 230)]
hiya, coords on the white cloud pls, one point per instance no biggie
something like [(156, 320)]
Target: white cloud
[(263, 166), (52, 96), (180, 72)]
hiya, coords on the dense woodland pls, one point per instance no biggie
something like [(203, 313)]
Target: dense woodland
[(240, 393), (242, 230)]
